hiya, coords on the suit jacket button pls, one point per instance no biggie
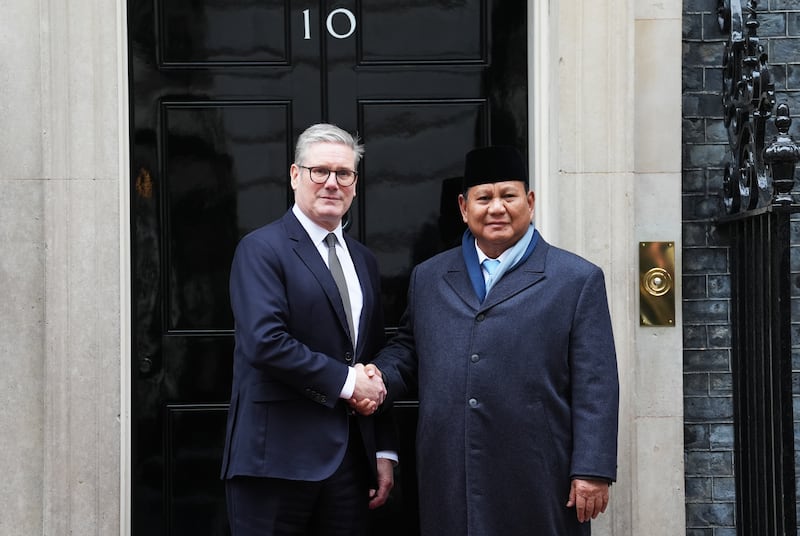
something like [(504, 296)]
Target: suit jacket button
[(348, 357), (480, 317), (473, 403)]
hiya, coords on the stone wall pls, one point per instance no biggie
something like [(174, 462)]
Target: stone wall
[(60, 270), (710, 489)]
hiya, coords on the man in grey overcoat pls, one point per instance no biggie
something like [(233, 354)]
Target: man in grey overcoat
[(515, 368)]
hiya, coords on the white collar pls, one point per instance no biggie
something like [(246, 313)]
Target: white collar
[(483, 256), (315, 232)]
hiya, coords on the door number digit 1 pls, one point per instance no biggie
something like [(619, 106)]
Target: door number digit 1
[(306, 25), (329, 23)]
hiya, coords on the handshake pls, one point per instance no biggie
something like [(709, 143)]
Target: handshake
[(370, 391)]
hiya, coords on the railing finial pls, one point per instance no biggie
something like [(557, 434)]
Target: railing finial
[(781, 157)]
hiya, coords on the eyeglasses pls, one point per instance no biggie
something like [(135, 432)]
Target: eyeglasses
[(320, 175)]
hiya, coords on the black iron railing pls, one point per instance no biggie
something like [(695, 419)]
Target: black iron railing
[(761, 363), (757, 189)]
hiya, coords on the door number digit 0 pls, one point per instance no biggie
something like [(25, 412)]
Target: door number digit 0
[(329, 23), (350, 17)]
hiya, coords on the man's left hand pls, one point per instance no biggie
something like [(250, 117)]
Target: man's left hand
[(385, 483), (589, 497)]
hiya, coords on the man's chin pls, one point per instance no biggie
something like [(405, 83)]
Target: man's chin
[(497, 238), (331, 207), (331, 217)]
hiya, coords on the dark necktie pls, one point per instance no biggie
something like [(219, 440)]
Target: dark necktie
[(338, 276)]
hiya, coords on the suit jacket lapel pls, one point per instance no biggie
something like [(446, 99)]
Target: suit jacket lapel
[(309, 254)]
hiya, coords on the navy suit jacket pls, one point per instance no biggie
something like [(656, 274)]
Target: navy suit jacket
[(286, 419)]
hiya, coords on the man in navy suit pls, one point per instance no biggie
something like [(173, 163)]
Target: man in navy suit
[(306, 303), (508, 340)]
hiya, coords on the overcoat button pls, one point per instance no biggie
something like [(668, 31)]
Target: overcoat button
[(474, 358), (473, 403)]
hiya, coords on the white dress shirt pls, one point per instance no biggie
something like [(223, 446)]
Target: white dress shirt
[(317, 235)]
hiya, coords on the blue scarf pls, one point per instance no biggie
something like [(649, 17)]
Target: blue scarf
[(517, 255)]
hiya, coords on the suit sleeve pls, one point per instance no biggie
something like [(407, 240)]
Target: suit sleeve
[(264, 340), (398, 360), (385, 434), (595, 384)]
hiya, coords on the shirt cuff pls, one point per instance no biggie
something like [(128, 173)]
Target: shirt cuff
[(588, 477), (389, 455), (349, 384)]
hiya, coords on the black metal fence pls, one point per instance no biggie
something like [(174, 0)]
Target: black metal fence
[(757, 196), (762, 372)]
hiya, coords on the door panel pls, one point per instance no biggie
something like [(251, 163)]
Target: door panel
[(191, 467), (224, 166), (219, 92), (425, 32), (231, 32)]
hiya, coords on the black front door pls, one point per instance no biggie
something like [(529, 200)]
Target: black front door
[(220, 89)]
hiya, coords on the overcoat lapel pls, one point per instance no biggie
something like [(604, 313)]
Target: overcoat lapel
[(519, 279), (456, 276), (512, 283), (310, 256)]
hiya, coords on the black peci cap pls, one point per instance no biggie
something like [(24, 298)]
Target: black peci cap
[(496, 163)]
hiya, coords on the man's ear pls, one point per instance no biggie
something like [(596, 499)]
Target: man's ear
[(462, 205), (531, 202)]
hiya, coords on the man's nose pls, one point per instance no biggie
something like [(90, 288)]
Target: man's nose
[(331, 182), (496, 205)]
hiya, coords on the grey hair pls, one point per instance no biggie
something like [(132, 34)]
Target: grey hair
[(326, 133)]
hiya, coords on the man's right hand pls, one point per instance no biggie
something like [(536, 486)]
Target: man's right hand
[(370, 391)]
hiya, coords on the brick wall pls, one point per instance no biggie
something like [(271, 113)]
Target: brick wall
[(710, 490)]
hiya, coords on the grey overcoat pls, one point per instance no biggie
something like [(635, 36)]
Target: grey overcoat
[(517, 394)]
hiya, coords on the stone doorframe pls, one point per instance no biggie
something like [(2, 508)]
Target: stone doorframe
[(605, 90)]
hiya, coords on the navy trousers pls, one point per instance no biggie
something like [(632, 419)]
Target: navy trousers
[(336, 506)]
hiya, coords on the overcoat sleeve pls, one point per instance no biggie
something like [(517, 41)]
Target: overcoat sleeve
[(595, 385), (398, 360)]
